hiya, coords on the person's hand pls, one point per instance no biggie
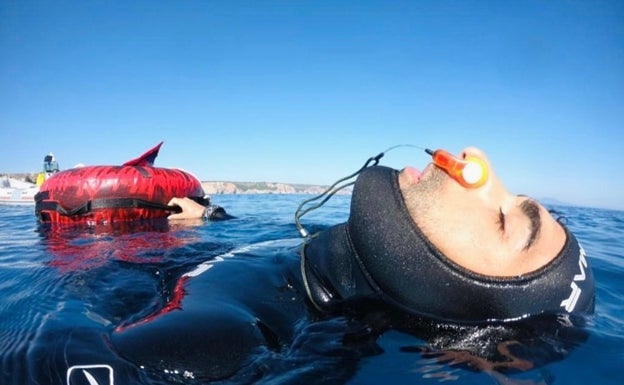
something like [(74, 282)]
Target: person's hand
[(190, 209)]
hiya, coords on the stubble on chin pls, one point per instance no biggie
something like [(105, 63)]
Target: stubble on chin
[(423, 197)]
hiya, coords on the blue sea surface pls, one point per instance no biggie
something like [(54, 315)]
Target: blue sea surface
[(62, 294)]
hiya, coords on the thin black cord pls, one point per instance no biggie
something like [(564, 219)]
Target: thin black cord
[(328, 193), (333, 189)]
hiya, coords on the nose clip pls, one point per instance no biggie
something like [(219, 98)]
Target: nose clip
[(471, 172)]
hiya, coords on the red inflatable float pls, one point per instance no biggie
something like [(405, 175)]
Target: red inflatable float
[(100, 195)]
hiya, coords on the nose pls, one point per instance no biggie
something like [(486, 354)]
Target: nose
[(474, 152), (494, 187)]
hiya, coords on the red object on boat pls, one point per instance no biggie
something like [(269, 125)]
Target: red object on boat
[(97, 195)]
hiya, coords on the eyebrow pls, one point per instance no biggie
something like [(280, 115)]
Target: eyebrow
[(530, 208)]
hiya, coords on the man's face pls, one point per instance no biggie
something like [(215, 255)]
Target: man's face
[(487, 230)]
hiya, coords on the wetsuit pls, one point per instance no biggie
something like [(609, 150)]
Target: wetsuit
[(233, 312), (226, 314)]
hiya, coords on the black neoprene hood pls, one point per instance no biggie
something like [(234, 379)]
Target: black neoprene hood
[(381, 253)]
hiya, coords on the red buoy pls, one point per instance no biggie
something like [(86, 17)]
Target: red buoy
[(97, 195)]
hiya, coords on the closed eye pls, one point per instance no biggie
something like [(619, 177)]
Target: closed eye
[(501, 220)]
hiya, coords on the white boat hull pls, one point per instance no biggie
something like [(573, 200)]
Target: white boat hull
[(17, 192)]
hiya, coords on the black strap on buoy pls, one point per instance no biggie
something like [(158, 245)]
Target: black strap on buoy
[(114, 203)]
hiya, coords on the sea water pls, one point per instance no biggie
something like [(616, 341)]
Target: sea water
[(62, 293)]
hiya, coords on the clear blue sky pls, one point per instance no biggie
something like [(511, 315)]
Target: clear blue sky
[(305, 91)]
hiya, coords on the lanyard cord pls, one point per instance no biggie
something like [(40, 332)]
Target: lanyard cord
[(334, 188), (328, 193)]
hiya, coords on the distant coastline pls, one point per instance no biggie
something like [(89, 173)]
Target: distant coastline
[(225, 187), (229, 187), (242, 188)]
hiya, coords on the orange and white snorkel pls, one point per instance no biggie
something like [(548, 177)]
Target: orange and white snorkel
[(471, 172)]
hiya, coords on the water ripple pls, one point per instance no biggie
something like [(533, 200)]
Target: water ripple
[(62, 292)]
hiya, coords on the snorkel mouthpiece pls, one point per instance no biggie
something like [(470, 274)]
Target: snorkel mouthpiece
[(470, 172)]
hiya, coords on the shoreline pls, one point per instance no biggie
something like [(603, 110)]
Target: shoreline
[(230, 187)]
